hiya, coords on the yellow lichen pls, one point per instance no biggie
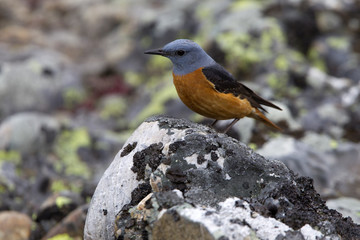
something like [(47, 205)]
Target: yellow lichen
[(281, 63), (62, 236), (157, 103), (338, 42), (58, 186), (73, 97), (244, 4), (113, 107), (61, 201), (66, 148), (10, 156), (316, 60)]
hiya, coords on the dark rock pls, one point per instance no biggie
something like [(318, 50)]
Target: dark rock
[(346, 206), (72, 225), (58, 206)]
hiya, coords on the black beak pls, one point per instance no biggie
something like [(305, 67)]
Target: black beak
[(158, 51)]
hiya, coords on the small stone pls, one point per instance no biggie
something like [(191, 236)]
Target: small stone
[(14, 226)]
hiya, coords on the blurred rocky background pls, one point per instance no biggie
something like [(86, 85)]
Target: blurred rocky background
[(74, 84)]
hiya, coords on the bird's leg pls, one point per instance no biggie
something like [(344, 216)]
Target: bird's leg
[(231, 124), (213, 124)]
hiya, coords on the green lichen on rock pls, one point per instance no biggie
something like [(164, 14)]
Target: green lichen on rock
[(159, 64), (58, 186), (316, 59), (62, 236), (73, 96), (244, 50), (157, 102), (67, 146), (340, 43), (10, 156), (133, 79), (112, 107), (61, 185), (278, 82), (244, 4), (61, 201), (282, 63)]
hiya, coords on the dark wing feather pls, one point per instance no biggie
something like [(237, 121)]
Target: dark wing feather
[(224, 82)]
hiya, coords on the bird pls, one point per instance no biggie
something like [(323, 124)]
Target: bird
[(208, 88)]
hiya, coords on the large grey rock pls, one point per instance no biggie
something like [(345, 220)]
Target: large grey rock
[(333, 165), (35, 81), (347, 207), (28, 132), (208, 169)]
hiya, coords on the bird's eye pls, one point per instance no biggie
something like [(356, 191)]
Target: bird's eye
[(180, 52)]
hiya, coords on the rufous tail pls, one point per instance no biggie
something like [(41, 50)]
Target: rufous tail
[(258, 115)]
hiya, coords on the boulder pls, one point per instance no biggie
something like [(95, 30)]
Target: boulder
[(177, 178)]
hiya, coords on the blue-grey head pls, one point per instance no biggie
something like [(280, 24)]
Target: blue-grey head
[(186, 56)]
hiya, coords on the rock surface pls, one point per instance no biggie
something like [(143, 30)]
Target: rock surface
[(174, 171)]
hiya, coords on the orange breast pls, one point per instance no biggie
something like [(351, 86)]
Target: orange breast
[(200, 96)]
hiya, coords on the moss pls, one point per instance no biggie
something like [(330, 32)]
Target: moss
[(67, 146), (62, 236), (73, 97), (61, 201), (340, 43), (10, 156)]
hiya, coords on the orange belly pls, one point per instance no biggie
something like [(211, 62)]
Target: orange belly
[(200, 96)]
